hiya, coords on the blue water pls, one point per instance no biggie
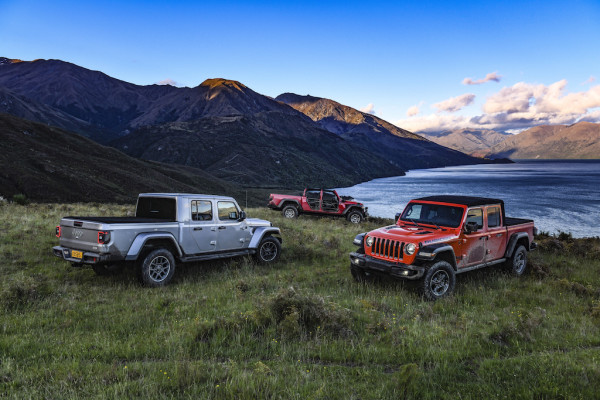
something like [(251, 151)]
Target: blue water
[(560, 195)]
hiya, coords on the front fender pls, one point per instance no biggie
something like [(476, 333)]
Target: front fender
[(260, 233), (429, 253), (140, 241)]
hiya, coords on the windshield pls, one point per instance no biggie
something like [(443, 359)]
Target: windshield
[(432, 214)]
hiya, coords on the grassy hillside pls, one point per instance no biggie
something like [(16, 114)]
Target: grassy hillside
[(301, 329)]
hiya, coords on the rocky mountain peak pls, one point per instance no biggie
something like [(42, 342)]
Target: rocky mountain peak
[(7, 61), (214, 83)]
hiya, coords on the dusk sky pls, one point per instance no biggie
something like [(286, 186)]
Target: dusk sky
[(424, 65)]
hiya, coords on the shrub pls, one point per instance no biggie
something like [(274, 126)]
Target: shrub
[(20, 199)]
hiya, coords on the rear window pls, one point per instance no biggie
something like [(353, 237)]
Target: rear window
[(157, 207)]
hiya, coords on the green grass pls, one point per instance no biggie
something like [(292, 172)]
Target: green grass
[(300, 329)]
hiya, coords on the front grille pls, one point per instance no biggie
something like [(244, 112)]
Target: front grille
[(388, 249)]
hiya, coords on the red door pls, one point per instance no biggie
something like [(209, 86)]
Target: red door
[(473, 244), (496, 233)]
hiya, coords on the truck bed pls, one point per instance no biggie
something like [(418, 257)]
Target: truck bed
[(121, 220), (509, 221)]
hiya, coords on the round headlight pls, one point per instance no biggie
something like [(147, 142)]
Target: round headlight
[(410, 249), (369, 241)]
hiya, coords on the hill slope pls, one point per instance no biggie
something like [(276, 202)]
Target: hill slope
[(475, 142), (401, 147), (268, 149), (50, 164), (581, 140)]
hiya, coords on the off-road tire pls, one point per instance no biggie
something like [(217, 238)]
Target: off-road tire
[(107, 269), (268, 250), (157, 268), (439, 281), (354, 217), (290, 212), (517, 264)]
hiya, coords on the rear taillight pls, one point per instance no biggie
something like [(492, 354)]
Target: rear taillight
[(103, 237), (58, 231)]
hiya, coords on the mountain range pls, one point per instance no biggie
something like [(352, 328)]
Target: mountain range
[(221, 127), (578, 141)]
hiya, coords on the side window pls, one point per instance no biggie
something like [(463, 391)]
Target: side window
[(475, 215), (493, 216), (227, 210), (201, 210)]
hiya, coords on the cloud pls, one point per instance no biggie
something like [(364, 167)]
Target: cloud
[(369, 109), (492, 76), (517, 107), (169, 82), (455, 103), (589, 80), (412, 111)]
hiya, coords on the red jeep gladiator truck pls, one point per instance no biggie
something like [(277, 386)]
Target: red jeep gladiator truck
[(320, 202), (437, 237)]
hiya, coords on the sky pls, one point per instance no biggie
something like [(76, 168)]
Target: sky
[(423, 65)]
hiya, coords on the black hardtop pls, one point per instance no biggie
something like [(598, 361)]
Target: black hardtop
[(463, 200)]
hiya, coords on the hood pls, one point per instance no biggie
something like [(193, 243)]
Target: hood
[(256, 222), (415, 234)]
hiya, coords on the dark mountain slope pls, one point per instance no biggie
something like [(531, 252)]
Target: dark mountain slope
[(401, 147), (50, 164), (22, 107), (268, 149)]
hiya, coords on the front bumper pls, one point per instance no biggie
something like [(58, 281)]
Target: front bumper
[(88, 257), (394, 269), (272, 206)]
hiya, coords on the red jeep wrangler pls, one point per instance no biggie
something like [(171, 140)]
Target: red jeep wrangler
[(318, 201), (437, 237)]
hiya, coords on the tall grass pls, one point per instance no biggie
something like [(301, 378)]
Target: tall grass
[(300, 329)]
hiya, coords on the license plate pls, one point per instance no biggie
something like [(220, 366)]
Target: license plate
[(76, 254)]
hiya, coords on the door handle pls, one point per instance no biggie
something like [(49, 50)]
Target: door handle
[(197, 229), (222, 227)]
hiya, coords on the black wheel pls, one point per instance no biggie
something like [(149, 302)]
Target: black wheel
[(517, 264), (107, 269), (355, 217), (290, 212), (439, 281), (268, 250), (359, 274), (157, 268)]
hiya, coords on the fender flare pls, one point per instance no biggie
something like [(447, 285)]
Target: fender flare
[(260, 233), (429, 253), (353, 208), (140, 241), (512, 243), (284, 203)]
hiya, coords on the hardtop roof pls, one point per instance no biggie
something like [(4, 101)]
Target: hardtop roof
[(195, 195), (463, 200)]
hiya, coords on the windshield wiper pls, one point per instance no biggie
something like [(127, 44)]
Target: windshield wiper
[(437, 226), (413, 221)]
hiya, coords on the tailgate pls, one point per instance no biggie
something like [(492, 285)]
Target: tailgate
[(80, 235)]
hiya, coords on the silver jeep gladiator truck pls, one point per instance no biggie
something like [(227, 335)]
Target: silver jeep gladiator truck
[(168, 228)]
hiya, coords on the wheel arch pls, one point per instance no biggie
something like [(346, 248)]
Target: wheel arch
[(145, 241), (288, 202), (438, 252), (517, 239), (261, 232)]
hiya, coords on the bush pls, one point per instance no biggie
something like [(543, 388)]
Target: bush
[(20, 199)]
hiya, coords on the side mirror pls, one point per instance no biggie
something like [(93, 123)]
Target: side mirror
[(242, 216), (470, 227), (397, 216)]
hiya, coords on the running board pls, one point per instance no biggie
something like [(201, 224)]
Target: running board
[(488, 264), (215, 256)]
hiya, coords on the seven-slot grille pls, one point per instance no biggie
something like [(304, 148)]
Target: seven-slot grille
[(387, 248)]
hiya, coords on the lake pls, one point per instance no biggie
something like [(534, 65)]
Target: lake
[(560, 195)]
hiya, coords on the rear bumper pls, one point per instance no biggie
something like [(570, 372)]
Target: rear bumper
[(396, 270), (88, 257)]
